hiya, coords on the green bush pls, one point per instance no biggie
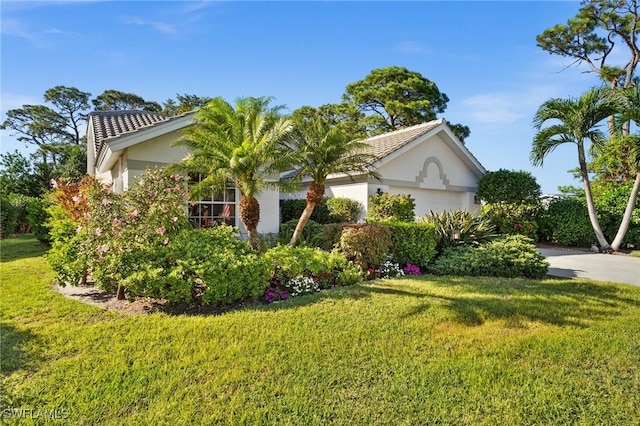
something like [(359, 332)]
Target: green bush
[(331, 233), (611, 200), (366, 245), (288, 262), (459, 228), (413, 243), (394, 208), (311, 233), (511, 219), (342, 209), (509, 187), (569, 219), (8, 217), (20, 203), (511, 256), (66, 257), (292, 210), (210, 266), (38, 216)]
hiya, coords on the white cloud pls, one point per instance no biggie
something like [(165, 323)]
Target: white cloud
[(410, 47), (15, 28), (161, 27)]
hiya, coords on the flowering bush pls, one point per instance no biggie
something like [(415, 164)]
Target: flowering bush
[(390, 270), (302, 285), (411, 269), (275, 293)]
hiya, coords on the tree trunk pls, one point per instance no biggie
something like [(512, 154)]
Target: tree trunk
[(314, 197), (120, 293), (249, 210), (628, 214), (593, 216)]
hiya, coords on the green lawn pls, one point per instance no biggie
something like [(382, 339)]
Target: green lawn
[(429, 350)]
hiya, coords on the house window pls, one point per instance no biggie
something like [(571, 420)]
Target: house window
[(219, 207)]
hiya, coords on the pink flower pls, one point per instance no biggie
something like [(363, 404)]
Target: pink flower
[(175, 218), (141, 182), (175, 176), (106, 201), (87, 216), (102, 249), (98, 232), (53, 184), (75, 198), (78, 229), (118, 248), (134, 213), (117, 222), (161, 230)]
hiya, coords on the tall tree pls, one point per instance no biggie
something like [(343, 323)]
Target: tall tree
[(239, 145), (71, 104), (114, 100), (322, 150), (577, 122), (392, 98), (183, 103), (591, 36)]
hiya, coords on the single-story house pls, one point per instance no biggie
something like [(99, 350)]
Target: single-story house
[(426, 161)]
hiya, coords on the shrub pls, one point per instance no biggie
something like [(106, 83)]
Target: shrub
[(292, 210), (509, 187), (331, 233), (8, 217), (413, 243), (289, 262), (20, 203), (37, 216), (470, 230), (395, 208), (311, 233), (611, 200), (511, 256), (569, 219), (366, 245), (342, 209), (512, 219), (210, 266)]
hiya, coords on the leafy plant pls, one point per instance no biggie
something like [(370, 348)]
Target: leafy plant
[(394, 208), (366, 245), (513, 218), (342, 209), (511, 257), (8, 217), (459, 228), (292, 209), (510, 187), (570, 223), (311, 234), (37, 216), (412, 242)]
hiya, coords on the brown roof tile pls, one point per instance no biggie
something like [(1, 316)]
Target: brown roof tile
[(113, 124), (385, 144)]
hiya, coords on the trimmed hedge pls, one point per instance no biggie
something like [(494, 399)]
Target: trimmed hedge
[(413, 243), (365, 245), (512, 256)]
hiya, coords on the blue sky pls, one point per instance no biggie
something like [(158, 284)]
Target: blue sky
[(483, 55)]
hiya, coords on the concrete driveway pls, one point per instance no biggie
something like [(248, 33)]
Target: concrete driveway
[(594, 266)]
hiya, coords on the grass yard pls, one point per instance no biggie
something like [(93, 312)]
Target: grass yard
[(428, 350)]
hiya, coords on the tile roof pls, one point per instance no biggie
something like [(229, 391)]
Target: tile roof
[(385, 144), (114, 124)]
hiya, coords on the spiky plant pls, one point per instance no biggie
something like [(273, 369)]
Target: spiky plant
[(459, 227)]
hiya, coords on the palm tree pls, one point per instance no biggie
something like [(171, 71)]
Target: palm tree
[(577, 122), (238, 145), (324, 150), (631, 112)]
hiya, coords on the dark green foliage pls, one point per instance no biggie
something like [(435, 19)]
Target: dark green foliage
[(211, 266), (569, 220), (513, 218), (21, 203), (330, 210), (395, 208), (413, 243), (512, 256), (38, 217), (292, 210), (342, 209), (365, 245), (331, 233), (8, 217), (311, 234), (611, 200), (471, 230), (509, 186)]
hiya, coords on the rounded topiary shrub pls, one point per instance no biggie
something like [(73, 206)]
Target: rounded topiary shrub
[(366, 245)]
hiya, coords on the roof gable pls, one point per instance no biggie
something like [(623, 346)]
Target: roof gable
[(108, 125), (382, 145)]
